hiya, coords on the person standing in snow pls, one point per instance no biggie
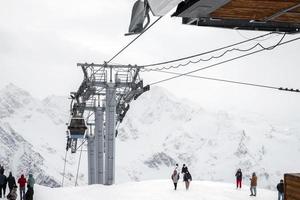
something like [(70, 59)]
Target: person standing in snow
[(13, 194), (11, 181), (30, 184), (175, 177), (184, 169), (253, 184), (187, 178), (22, 182), (239, 177), (280, 189), (2, 184)]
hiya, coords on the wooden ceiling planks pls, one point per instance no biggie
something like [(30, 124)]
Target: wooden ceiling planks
[(259, 10)]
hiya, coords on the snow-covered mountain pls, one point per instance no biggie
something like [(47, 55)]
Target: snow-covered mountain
[(31, 134), (158, 131)]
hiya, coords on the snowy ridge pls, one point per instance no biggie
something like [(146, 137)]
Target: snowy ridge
[(158, 131)]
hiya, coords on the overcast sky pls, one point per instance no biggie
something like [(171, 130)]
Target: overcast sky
[(42, 40)]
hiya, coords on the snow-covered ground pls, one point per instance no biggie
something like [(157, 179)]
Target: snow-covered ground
[(153, 190)]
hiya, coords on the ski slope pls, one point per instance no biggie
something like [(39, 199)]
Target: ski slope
[(153, 190)]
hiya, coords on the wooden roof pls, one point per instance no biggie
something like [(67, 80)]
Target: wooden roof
[(264, 15), (287, 11)]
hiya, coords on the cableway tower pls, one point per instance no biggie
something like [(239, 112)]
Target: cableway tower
[(97, 108)]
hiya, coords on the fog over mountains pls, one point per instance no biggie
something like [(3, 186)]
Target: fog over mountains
[(158, 131)]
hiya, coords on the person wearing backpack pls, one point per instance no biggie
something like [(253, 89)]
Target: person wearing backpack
[(175, 177), (11, 181)]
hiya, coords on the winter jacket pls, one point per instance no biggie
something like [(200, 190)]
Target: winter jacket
[(1, 170), (2, 179), (184, 169), (187, 177), (280, 187), (253, 181), (11, 181), (239, 175), (31, 181), (22, 181), (175, 177)]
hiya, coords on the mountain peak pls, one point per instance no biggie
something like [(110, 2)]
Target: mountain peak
[(14, 90), (12, 98)]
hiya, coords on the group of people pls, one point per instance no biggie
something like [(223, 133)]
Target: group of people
[(187, 177), (253, 184), (10, 181)]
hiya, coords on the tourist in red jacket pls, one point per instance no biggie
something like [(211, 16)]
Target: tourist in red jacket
[(22, 183)]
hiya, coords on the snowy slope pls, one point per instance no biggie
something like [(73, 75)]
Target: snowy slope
[(36, 131), (162, 130), (158, 131), (153, 190)]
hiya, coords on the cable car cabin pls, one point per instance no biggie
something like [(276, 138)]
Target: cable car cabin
[(77, 128)]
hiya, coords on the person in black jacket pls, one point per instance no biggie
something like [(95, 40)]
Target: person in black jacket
[(280, 189), (11, 181), (184, 169), (239, 177), (2, 184), (187, 178)]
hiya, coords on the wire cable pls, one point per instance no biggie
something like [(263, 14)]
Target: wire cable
[(64, 171), (134, 40), (81, 144), (78, 165), (207, 52), (230, 81), (219, 63), (219, 56)]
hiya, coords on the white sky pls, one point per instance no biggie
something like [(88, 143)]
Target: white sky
[(42, 40)]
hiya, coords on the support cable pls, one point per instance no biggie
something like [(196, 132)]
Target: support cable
[(133, 40), (234, 82), (219, 63), (212, 57), (64, 171), (78, 165), (81, 144)]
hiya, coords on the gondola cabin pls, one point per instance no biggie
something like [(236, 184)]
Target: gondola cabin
[(77, 128)]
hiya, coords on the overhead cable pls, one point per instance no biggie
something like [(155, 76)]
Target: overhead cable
[(234, 82), (213, 57), (134, 40), (219, 63)]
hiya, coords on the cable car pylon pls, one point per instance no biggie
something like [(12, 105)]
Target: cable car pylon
[(97, 108)]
